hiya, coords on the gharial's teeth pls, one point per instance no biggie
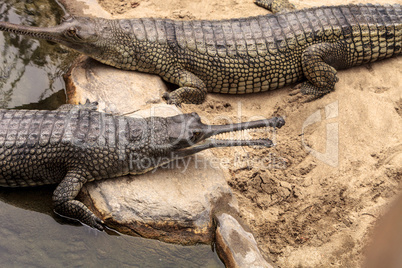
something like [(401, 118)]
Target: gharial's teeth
[(259, 129), (245, 134)]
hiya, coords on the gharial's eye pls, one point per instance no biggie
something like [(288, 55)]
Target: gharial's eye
[(195, 136), (72, 32)]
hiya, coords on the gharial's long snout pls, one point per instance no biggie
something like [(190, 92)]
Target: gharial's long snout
[(205, 136), (55, 33)]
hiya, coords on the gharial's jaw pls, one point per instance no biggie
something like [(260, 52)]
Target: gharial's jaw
[(214, 136)]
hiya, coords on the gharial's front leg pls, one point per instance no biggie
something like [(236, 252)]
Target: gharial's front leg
[(65, 205), (192, 89)]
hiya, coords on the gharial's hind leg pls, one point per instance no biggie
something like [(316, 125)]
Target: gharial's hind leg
[(192, 89), (276, 6), (319, 63), (65, 205)]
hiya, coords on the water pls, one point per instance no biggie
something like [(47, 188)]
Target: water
[(31, 70), (33, 239), (31, 235)]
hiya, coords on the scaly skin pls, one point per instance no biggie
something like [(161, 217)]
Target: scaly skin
[(238, 56), (76, 144)]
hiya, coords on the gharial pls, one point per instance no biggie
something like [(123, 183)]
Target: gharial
[(237, 56), (77, 144)]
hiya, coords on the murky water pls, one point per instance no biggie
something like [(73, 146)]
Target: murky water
[(31, 77), (31, 70)]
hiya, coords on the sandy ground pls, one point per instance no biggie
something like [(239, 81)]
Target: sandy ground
[(306, 209)]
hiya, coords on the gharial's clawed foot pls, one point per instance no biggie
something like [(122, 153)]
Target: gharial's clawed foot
[(171, 99), (87, 218), (92, 106), (97, 223), (295, 90), (300, 94), (88, 105), (296, 95)]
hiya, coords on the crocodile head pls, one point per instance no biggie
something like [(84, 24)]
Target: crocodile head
[(183, 135), (78, 33)]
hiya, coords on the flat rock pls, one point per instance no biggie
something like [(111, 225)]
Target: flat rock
[(173, 204), (123, 92)]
